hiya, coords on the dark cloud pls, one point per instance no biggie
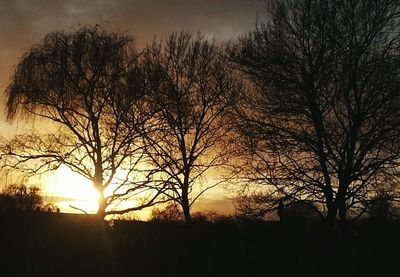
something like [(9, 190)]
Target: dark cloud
[(25, 22)]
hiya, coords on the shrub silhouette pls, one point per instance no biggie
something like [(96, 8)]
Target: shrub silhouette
[(298, 212), (171, 213), (205, 216), (380, 207), (24, 198)]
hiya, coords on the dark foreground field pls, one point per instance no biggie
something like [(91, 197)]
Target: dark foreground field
[(72, 245)]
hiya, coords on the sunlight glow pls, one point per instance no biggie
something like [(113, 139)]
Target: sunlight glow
[(72, 189), (67, 189)]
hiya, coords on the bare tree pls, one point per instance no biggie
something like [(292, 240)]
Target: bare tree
[(90, 86), (322, 123), (192, 88)]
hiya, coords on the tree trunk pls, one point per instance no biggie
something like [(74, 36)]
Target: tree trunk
[(341, 201), (101, 211), (342, 212), (342, 207), (343, 228), (332, 208), (331, 216), (186, 208), (98, 185)]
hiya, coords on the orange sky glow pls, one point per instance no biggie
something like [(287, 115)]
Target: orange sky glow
[(24, 23)]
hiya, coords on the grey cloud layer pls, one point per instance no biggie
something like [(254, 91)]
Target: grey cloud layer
[(25, 22)]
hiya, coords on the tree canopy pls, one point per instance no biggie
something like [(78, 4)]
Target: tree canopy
[(192, 86), (323, 121), (90, 85)]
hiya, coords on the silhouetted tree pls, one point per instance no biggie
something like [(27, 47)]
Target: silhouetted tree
[(207, 216), (90, 86), (299, 213), (171, 213), (192, 86), (380, 206), (323, 120), (23, 198)]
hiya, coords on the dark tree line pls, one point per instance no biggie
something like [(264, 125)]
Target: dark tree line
[(306, 108)]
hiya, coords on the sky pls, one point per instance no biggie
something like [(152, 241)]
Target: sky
[(24, 23)]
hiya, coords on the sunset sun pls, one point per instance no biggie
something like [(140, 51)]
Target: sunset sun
[(73, 191)]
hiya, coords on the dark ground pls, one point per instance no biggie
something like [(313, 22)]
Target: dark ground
[(76, 245)]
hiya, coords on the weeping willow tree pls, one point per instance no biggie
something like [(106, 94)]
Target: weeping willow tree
[(90, 86)]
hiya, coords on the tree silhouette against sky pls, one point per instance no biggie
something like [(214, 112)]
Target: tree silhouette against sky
[(192, 88), (89, 84), (323, 122)]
